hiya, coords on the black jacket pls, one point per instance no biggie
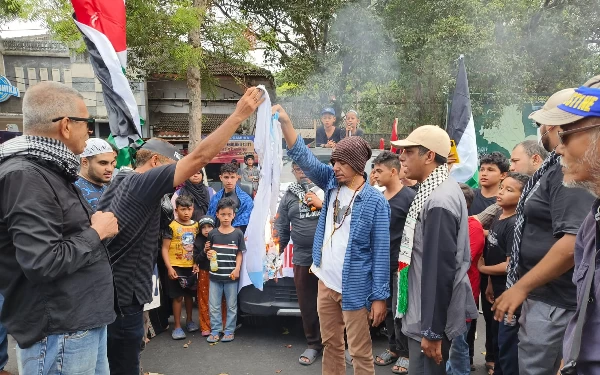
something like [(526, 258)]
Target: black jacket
[(54, 270)]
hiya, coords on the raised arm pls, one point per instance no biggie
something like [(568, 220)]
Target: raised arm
[(206, 150)]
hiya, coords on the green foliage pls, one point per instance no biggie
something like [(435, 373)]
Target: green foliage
[(9, 10)]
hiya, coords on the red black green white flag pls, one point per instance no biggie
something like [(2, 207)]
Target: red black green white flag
[(102, 24)]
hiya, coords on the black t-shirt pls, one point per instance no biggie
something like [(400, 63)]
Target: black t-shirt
[(233, 196), (480, 203), (227, 245), (498, 246), (551, 211), (135, 199), (399, 205), (322, 138)]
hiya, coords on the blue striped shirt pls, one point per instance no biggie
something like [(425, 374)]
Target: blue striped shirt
[(366, 272)]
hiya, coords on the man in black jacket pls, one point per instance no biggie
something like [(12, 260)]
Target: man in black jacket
[(54, 270)]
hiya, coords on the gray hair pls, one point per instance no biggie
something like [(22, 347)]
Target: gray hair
[(532, 147), (46, 101)]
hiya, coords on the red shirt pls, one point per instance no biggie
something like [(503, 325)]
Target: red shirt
[(477, 240)]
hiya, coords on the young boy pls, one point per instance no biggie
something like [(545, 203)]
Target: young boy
[(251, 173), (227, 245), (387, 169), (495, 260), (242, 202), (328, 134), (462, 349), (178, 255)]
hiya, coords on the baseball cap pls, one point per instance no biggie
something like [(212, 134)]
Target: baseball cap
[(328, 110), (96, 146), (431, 137), (163, 148), (549, 114)]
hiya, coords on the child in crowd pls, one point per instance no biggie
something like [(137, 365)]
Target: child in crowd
[(206, 224), (495, 260), (328, 135), (226, 244), (352, 122), (177, 253), (461, 353)]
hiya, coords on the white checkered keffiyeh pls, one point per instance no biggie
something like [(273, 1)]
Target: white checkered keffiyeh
[(50, 150)]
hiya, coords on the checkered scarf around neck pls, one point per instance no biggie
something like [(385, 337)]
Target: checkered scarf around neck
[(435, 179), (297, 189), (512, 276), (51, 151)]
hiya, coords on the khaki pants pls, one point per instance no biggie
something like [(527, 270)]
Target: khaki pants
[(333, 321)]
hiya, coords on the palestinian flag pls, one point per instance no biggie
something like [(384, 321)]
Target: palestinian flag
[(102, 24), (461, 130)]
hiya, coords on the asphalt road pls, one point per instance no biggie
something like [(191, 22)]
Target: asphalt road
[(270, 347)]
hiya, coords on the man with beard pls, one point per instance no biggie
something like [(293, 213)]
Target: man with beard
[(297, 218), (540, 270), (580, 150), (434, 293), (97, 166)]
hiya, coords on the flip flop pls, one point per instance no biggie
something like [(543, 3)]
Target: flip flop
[(227, 337), (214, 337), (387, 358), (401, 363), (311, 355), (348, 358)]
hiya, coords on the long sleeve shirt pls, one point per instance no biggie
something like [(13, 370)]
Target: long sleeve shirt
[(366, 269)]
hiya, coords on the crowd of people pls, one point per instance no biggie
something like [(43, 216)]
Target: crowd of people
[(407, 247)]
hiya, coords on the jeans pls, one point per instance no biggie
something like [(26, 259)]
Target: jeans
[(459, 362), (508, 349), (215, 295), (333, 322), (80, 353), (125, 336), (3, 341)]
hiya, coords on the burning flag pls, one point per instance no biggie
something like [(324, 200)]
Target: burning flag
[(102, 24)]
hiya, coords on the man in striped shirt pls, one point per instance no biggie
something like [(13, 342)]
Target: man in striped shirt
[(135, 197)]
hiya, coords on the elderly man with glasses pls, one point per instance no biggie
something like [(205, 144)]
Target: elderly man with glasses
[(540, 270)]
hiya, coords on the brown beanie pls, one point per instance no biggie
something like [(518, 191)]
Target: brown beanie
[(354, 151)]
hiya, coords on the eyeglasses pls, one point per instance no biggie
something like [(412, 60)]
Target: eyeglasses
[(562, 136)]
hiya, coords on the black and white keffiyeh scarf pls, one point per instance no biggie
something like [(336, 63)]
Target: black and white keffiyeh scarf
[(298, 190), (50, 150), (435, 179), (512, 276)]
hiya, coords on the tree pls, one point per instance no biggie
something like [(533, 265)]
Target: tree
[(9, 10), (175, 37)]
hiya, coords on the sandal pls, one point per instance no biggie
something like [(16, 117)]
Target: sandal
[(401, 363), (311, 355), (213, 338), (227, 337), (387, 357), (348, 358)]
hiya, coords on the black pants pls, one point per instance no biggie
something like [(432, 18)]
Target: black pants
[(471, 338), (125, 336), (307, 288), (488, 315), (508, 351), (398, 342)]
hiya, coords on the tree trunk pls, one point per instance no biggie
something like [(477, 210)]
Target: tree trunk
[(194, 82)]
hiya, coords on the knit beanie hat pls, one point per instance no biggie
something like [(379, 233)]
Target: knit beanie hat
[(354, 151)]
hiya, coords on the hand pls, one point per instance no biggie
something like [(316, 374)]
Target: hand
[(284, 118), (253, 97), (509, 302), (378, 312), (235, 274), (372, 180), (432, 349), (330, 144), (314, 200), (489, 293), (105, 223), (172, 273), (207, 246), (210, 254), (195, 269)]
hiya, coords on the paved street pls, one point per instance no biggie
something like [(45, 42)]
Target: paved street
[(257, 350)]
